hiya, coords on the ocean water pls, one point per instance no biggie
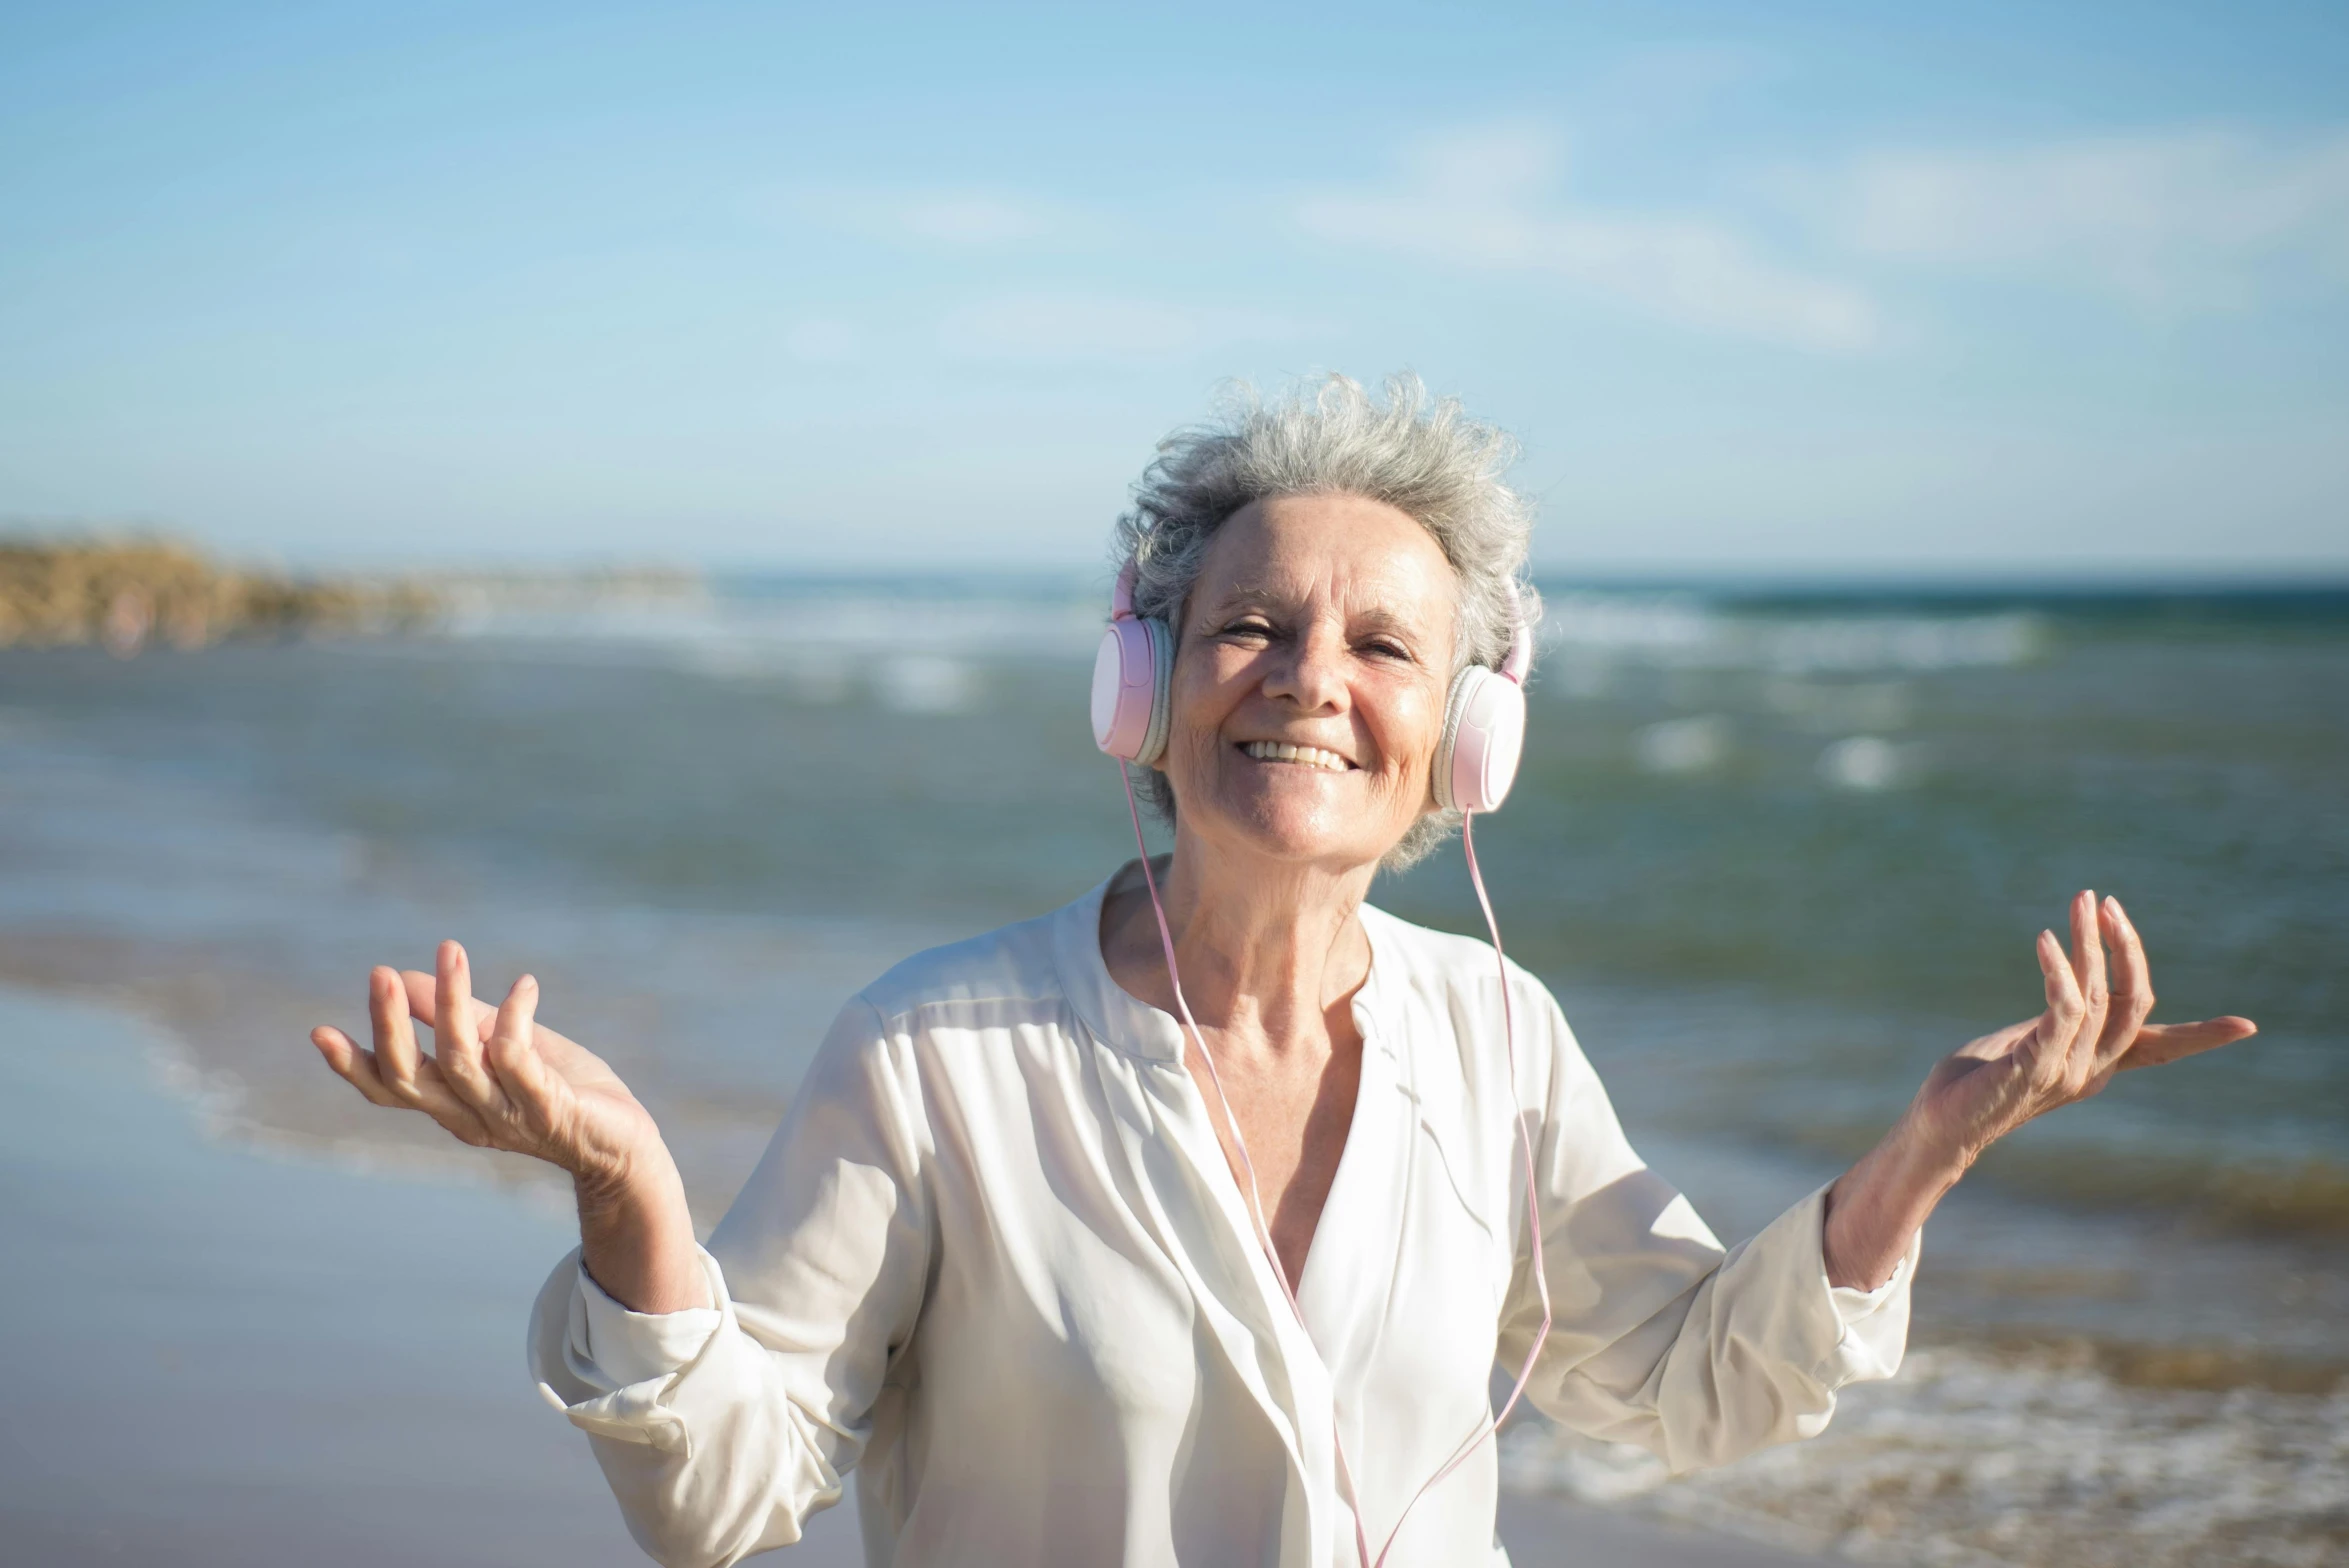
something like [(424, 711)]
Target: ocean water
[(1775, 853)]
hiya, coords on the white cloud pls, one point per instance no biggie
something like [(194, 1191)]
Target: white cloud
[(1488, 200), (2175, 219), (1077, 327)]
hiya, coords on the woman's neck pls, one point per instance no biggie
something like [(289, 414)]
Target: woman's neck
[(1266, 948)]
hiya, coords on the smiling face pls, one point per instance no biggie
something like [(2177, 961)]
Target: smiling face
[(1314, 657)]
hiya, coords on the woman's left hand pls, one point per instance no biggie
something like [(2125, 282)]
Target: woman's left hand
[(2094, 1027)]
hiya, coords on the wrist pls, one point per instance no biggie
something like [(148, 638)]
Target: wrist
[(1916, 1158), (1874, 1210), (629, 1181), (636, 1234)]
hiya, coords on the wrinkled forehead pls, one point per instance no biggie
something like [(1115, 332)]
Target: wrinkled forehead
[(1341, 552)]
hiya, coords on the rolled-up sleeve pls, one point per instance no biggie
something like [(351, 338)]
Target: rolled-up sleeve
[(722, 1428), (639, 1347), (1875, 1322), (1661, 1337)]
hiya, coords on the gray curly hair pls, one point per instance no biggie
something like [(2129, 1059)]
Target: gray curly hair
[(1405, 447)]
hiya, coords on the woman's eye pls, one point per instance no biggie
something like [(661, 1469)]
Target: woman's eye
[(1389, 650)]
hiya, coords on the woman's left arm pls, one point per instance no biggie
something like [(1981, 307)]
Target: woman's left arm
[(2094, 1026)]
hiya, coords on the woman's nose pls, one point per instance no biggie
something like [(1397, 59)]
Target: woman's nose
[(1314, 674)]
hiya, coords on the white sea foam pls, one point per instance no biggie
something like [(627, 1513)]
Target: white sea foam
[(756, 636), (925, 683), (1969, 1457), (1683, 631), (1692, 745), (913, 652), (1865, 764)]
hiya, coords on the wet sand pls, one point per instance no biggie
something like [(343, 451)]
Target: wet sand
[(219, 1356)]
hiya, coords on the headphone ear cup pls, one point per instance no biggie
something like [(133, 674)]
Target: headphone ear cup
[(1130, 684), (1161, 639), (1484, 735), (1440, 773)]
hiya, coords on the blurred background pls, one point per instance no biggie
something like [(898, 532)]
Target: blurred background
[(630, 488)]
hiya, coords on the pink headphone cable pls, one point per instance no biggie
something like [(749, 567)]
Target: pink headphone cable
[(1491, 1424)]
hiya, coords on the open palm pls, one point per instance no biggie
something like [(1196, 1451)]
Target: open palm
[(499, 1080), (2094, 1026)]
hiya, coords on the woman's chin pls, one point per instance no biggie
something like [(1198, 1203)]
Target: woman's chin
[(1281, 827)]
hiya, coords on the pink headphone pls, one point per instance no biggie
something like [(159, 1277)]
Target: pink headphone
[(1484, 718)]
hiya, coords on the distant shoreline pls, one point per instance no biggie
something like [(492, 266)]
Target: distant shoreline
[(126, 593), (123, 594)]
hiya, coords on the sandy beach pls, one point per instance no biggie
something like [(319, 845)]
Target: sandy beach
[(218, 1355)]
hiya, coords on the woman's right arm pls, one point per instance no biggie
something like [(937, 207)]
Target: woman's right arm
[(1662, 1337), (501, 1081), (719, 1429)]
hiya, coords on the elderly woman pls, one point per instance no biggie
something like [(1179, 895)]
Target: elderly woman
[(1004, 1258)]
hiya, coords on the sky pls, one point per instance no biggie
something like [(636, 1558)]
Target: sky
[(1798, 290)]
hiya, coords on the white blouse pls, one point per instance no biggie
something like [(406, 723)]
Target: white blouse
[(995, 1261)]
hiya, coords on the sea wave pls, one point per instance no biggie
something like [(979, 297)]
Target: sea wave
[(984, 620), (911, 650), (1690, 632), (715, 628), (2040, 1456)]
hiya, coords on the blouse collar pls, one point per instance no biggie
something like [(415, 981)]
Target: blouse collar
[(1126, 1022)]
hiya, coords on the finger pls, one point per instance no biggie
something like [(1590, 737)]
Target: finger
[(2060, 1024), (354, 1065), (2095, 993), (2087, 948), (423, 996), (566, 1056), (2132, 987), (398, 1059), (424, 1002), (457, 1034), (513, 1054), (429, 1092), (2158, 1044)]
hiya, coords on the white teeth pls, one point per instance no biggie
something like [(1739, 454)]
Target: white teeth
[(1310, 756)]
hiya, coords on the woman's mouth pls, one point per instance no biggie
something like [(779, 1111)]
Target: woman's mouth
[(1304, 756)]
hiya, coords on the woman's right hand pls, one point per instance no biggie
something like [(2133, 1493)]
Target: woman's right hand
[(500, 1080)]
